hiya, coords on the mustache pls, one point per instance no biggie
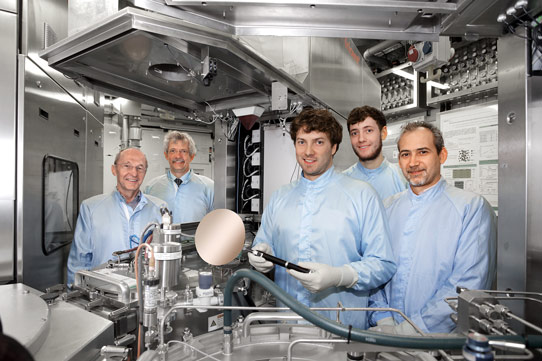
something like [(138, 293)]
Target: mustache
[(415, 169)]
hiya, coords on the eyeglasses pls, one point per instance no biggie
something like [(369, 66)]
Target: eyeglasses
[(175, 151), (128, 168)]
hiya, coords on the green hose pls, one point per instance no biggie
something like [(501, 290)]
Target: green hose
[(377, 338)]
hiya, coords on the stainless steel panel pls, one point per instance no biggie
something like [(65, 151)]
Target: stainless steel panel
[(8, 63), (7, 240), (92, 184), (8, 5), (224, 170), (401, 20), (54, 13), (337, 75), (59, 331), (370, 87), (84, 13), (534, 211), (94, 103), (116, 55), (25, 316), (52, 123), (76, 334), (513, 191)]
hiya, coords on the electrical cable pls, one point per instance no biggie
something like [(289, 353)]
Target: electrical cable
[(255, 172), (294, 171)]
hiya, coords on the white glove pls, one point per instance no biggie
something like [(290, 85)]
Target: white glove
[(259, 263), (387, 325), (323, 276), (405, 328)]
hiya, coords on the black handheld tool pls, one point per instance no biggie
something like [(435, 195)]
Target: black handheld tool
[(279, 261)]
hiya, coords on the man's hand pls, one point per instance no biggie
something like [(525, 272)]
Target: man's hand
[(323, 276), (259, 263)]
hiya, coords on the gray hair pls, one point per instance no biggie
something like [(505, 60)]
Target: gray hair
[(412, 126), (117, 157), (174, 136)]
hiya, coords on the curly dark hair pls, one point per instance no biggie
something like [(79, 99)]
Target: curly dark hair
[(438, 140), (319, 120), (359, 114)]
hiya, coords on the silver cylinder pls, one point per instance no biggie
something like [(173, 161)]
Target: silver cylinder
[(170, 233), (168, 262)]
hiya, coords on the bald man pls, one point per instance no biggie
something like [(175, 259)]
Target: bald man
[(114, 221)]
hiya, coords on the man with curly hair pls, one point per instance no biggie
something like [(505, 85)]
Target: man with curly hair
[(327, 222)]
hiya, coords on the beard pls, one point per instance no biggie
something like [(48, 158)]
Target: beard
[(371, 156)]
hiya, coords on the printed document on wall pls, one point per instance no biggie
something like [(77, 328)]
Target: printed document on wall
[(471, 137)]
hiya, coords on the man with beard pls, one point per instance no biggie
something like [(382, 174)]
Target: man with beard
[(327, 222), (367, 128), (190, 196), (442, 237)]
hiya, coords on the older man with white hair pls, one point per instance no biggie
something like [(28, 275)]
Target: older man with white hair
[(190, 196)]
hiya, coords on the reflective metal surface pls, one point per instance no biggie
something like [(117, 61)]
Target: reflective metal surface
[(513, 168), (8, 5), (224, 171), (168, 263), (534, 211), (94, 155), (266, 342), (75, 334), (48, 115), (118, 51), (25, 316), (405, 20), (8, 63), (35, 14)]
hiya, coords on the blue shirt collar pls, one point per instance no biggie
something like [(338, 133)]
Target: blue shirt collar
[(319, 182), (367, 171), (185, 178), (139, 199), (430, 193)]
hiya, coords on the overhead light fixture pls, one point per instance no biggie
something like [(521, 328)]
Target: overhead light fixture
[(248, 115)]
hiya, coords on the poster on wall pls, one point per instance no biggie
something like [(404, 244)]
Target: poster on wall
[(471, 138), (389, 145)]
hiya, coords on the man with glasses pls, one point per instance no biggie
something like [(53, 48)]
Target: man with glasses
[(114, 221), (190, 196)]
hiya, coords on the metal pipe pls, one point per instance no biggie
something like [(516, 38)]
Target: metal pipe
[(124, 132), (179, 306), (306, 340), (518, 298), (526, 323), (514, 292), (273, 316), (369, 56)]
